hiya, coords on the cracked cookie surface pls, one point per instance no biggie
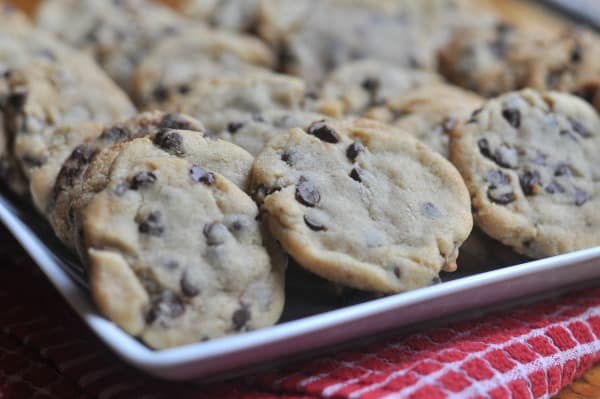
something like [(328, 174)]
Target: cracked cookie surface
[(530, 161), (175, 253), (361, 205)]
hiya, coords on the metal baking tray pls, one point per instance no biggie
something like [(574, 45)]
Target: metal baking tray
[(312, 320)]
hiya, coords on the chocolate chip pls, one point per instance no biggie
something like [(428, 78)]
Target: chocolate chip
[(240, 318), (499, 47), (569, 133), (201, 175), (160, 93), (312, 224), (356, 174), (171, 264), (397, 272), (115, 134), (257, 117), (484, 148), (142, 179), (215, 233), (563, 169), (538, 158), (121, 189), (554, 187), (184, 89), (176, 121), (512, 116), (502, 28), (530, 182), (576, 54), (152, 224), (306, 193), (370, 84), (436, 280), (354, 150), (188, 288), (448, 124), (581, 197), (170, 141), (233, 127), (553, 78), (500, 191), (323, 132), (287, 157), (580, 129), (167, 305), (430, 211), (17, 100)]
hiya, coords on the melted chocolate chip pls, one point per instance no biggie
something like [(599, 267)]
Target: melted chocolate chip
[(170, 141), (312, 224), (306, 193), (152, 224), (512, 116), (257, 117), (115, 134), (554, 187), (184, 89), (356, 174), (430, 211), (397, 272), (201, 175), (500, 191), (240, 317), (530, 182), (167, 305), (188, 288), (287, 157), (580, 129), (233, 127), (215, 233), (323, 132), (176, 121), (448, 124), (576, 54), (581, 197), (160, 93), (436, 280), (354, 150), (142, 179)]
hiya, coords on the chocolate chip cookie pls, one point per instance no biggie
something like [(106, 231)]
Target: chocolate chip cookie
[(357, 86), (116, 33), (69, 180), (362, 205), (148, 275), (531, 164), (315, 37), (194, 54), (429, 113)]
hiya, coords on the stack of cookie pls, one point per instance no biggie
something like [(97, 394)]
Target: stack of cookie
[(185, 207)]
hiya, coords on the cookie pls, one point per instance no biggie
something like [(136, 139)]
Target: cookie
[(362, 205), (194, 54), (52, 96), (116, 33), (220, 156), (146, 274), (530, 161), (68, 183), (231, 15), (252, 132), (315, 37), (217, 102), (355, 87), (429, 113)]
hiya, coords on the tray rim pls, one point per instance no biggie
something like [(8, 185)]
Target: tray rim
[(166, 363)]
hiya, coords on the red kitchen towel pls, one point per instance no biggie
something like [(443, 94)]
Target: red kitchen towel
[(526, 352)]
